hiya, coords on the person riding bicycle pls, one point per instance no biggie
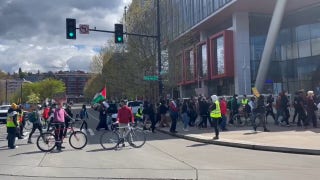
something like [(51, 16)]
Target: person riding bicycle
[(125, 116)]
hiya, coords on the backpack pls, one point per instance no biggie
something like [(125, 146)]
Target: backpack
[(82, 114), (32, 117)]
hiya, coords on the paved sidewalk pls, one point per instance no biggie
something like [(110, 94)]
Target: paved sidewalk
[(291, 139)]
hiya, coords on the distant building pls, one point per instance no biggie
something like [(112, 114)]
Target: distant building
[(75, 82)]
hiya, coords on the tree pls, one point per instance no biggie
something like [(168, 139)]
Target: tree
[(47, 88)]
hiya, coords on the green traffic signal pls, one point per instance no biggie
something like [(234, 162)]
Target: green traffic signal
[(71, 34), (119, 39)]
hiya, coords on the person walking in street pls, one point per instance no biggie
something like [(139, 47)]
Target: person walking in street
[(215, 115), (45, 115), (84, 116), (204, 112), (163, 111), (12, 125), (269, 108), (260, 113), (174, 114), (184, 115), (300, 108), (223, 108), (102, 118), (234, 108), (311, 108), (35, 118), (68, 119)]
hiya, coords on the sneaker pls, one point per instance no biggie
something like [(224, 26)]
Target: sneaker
[(215, 138), (185, 129), (266, 130), (29, 141), (13, 147)]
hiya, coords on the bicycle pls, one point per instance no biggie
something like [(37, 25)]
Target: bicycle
[(46, 142), (136, 137)]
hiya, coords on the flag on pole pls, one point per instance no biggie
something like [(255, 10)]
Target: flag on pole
[(100, 96)]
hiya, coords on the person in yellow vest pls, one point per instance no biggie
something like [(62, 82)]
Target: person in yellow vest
[(12, 125), (139, 114), (245, 106), (19, 110), (215, 115)]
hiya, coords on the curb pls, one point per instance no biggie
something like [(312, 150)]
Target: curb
[(247, 146)]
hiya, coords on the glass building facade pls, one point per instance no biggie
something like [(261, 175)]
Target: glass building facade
[(296, 56)]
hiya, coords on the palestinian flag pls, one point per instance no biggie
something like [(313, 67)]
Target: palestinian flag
[(100, 96)]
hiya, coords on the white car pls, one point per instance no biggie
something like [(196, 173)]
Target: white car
[(4, 112), (134, 105)]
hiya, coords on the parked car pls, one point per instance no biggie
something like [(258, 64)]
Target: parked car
[(4, 112)]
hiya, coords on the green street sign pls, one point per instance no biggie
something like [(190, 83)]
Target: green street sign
[(150, 78)]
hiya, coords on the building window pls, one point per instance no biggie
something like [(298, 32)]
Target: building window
[(220, 55), (315, 46), (304, 48), (190, 65), (178, 68)]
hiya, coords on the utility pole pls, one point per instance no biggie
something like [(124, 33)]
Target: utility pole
[(159, 48)]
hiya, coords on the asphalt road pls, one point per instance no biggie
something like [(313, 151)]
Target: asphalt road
[(162, 157)]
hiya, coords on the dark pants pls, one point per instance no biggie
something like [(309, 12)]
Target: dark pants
[(311, 117), (153, 123), (215, 123), (21, 127), (84, 124), (223, 122), (58, 135), (296, 112), (34, 127), (203, 122), (174, 117), (102, 123), (270, 112), (302, 117), (11, 136)]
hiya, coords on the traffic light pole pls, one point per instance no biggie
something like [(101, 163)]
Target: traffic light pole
[(133, 34)]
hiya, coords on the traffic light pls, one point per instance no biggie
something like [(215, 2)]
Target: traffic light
[(118, 33), (71, 32)]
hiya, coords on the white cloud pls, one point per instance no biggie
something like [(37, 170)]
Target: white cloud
[(33, 33)]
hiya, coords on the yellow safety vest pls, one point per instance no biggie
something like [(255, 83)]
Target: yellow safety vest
[(216, 113), (139, 113), (10, 122), (244, 101)]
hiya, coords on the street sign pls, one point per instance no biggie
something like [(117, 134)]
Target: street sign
[(150, 78), (84, 28)]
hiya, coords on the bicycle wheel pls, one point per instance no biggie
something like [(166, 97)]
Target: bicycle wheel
[(78, 140), (136, 138), (28, 125), (46, 142), (238, 122), (109, 140)]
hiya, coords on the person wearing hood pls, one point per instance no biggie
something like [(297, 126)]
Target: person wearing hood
[(12, 125), (215, 115)]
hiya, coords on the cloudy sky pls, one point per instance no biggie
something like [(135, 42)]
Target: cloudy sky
[(33, 33)]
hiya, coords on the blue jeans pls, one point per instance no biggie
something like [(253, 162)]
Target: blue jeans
[(223, 122), (185, 119)]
